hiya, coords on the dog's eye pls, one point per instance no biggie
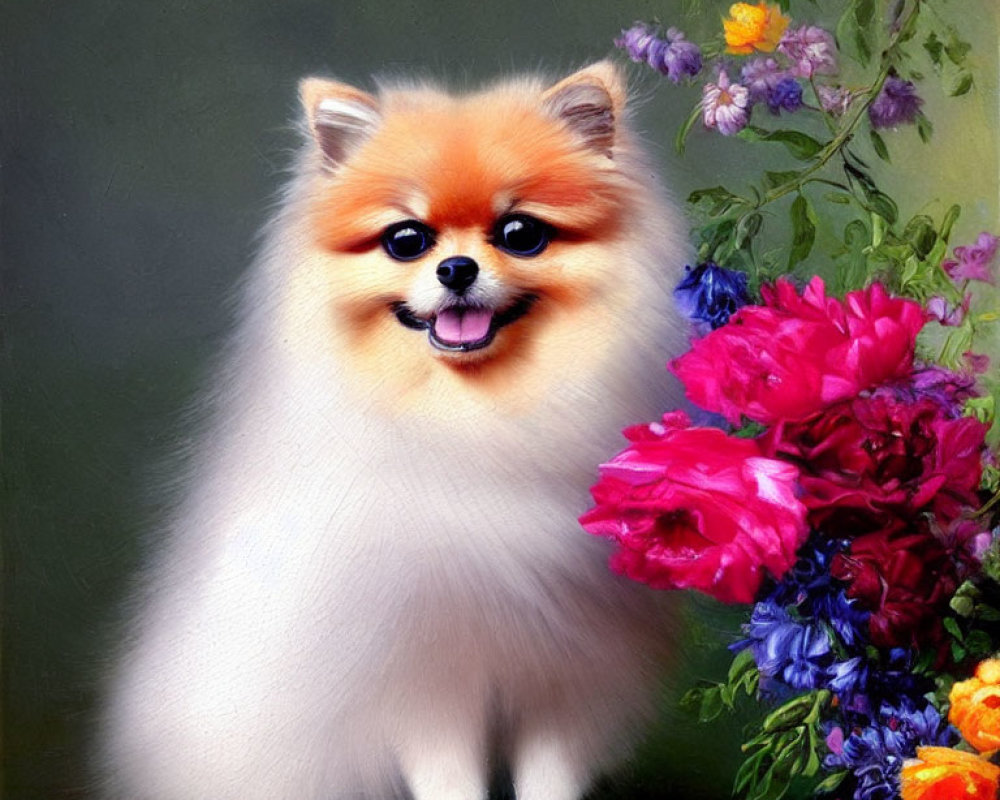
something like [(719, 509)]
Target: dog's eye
[(521, 235), (407, 240)]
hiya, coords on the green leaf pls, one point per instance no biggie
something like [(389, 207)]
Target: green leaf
[(961, 85), (924, 128), (951, 625), (800, 145), (790, 714), (744, 661), (978, 643), (690, 701), (774, 179), (747, 228), (881, 204), (714, 193), (879, 144), (963, 606), (803, 231), (830, 783), (950, 217), (836, 197), (919, 231), (934, 47), (680, 140), (956, 49), (864, 13), (711, 704)]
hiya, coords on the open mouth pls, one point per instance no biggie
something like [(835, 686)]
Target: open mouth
[(463, 328)]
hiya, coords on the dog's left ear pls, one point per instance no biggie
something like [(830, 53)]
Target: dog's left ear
[(340, 117), (590, 102)]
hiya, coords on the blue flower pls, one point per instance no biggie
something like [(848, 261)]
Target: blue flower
[(872, 760), (847, 677), (809, 586), (710, 293), (912, 723), (785, 96), (806, 655)]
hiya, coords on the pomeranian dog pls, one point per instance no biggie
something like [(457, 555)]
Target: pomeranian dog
[(375, 585)]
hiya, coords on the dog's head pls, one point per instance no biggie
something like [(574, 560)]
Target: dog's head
[(477, 234)]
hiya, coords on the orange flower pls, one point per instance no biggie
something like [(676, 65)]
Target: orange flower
[(940, 773), (975, 706), (752, 28)]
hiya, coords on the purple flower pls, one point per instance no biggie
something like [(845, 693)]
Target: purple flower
[(940, 309), (786, 95), (896, 103), (710, 293), (725, 105), (760, 76), (974, 261), (834, 99), (636, 41), (976, 362), (674, 56), (945, 387), (811, 50), (680, 58)]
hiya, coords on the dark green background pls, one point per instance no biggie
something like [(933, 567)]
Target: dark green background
[(142, 145)]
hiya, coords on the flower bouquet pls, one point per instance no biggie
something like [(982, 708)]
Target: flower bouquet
[(840, 474)]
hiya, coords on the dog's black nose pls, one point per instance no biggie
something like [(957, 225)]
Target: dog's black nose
[(458, 273)]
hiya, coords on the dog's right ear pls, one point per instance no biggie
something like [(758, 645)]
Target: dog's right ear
[(340, 117)]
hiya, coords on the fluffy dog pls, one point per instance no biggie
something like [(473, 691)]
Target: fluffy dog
[(375, 585)]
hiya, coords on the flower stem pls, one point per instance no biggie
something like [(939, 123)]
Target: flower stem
[(835, 145)]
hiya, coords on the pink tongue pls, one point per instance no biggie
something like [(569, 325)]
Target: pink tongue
[(462, 326)]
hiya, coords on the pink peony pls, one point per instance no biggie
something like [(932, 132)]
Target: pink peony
[(695, 508), (795, 355)]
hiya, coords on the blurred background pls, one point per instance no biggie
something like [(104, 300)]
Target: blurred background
[(143, 144)]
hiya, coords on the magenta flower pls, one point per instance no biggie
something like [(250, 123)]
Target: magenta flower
[(695, 508), (897, 103), (811, 50), (975, 262), (725, 105), (797, 354)]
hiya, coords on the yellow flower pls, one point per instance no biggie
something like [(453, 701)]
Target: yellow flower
[(940, 773), (752, 28), (975, 706)]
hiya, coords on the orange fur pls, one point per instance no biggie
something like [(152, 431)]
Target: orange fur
[(457, 164)]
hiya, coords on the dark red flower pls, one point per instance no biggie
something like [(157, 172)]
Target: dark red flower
[(905, 579), (879, 460)]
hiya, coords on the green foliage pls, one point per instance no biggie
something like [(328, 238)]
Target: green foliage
[(788, 747)]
